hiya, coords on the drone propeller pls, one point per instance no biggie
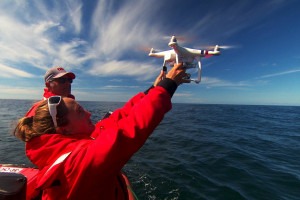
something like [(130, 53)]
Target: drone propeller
[(180, 38), (221, 47), (226, 47), (144, 48)]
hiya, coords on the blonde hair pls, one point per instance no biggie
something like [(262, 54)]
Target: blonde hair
[(41, 123)]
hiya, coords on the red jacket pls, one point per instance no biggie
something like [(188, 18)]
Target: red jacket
[(73, 167), (47, 94)]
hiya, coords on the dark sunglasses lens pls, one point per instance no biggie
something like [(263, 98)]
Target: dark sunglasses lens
[(54, 99), (63, 80)]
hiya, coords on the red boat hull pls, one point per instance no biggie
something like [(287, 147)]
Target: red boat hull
[(30, 174)]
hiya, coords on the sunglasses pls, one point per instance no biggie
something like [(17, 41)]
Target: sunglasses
[(53, 102), (63, 80)]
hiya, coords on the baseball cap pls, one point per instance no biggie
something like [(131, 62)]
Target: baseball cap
[(57, 72)]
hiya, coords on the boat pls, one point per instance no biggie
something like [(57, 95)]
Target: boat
[(15, 181)]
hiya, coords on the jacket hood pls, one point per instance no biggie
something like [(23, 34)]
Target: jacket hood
[(45, 149)]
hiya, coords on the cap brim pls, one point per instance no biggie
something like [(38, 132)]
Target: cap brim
[(68, 74)]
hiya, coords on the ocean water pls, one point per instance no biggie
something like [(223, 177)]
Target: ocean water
[(200, 151)]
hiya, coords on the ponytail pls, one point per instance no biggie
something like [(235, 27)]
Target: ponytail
[(24, 129)]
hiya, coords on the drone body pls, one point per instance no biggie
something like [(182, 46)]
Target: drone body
[(185, 55)]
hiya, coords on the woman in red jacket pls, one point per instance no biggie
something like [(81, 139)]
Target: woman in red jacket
[(79, 160)]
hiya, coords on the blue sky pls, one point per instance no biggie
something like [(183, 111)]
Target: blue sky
[(106, 43)]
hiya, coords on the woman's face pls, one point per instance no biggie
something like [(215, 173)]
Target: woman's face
[(79, 120)]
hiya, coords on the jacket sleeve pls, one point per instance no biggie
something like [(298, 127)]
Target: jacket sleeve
[(111, 150), (116, 115)]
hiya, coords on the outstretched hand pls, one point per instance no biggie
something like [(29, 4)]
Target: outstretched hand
[(177, 74)]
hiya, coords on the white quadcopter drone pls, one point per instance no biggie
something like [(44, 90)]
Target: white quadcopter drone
[(185, 55)]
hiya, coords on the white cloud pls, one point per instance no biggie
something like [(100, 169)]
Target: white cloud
[(281, 73), (124, 68), (9, 92), (118, 31), (75, 13), (11, 72), (33, 37), (18, 42), (215, 82), (72, 53)]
